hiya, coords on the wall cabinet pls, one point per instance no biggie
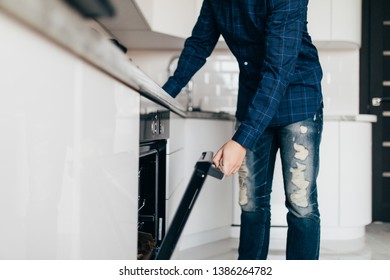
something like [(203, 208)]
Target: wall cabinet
[(69, 147), (152, 24), (171, 17), (335, 23), (142, 23)]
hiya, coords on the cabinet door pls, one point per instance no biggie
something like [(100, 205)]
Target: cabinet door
[(328, 182), (36, 123), (319, 19), (211, 216), (106, 144), (335, 23), (69, 146), (356, 175), (171, 17), (347, 21)]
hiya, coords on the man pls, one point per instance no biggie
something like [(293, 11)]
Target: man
[(279, 107)]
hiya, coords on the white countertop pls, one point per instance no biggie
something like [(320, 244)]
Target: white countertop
[(351, 118)]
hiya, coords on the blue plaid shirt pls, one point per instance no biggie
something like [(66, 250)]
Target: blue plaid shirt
[(280, 74)]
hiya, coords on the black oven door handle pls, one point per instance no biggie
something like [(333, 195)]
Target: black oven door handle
[(205, 163), (203, 167), (215, 172)]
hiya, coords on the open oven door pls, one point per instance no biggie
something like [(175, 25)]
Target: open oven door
[(203, 167)]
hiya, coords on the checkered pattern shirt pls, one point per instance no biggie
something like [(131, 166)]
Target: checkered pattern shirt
[(280, 74)]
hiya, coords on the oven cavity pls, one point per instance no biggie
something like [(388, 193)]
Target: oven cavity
[(154, 132)]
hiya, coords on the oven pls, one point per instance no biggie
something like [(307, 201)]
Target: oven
[(154, 241), (154, 132)]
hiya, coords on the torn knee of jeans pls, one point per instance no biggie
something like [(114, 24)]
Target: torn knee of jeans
[(243, 195), (243, 191), (301, 152), (299, 195)]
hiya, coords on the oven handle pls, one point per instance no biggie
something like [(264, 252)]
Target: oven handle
[(205, 163)]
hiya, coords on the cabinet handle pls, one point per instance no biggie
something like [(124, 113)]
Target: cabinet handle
[(377, 101)]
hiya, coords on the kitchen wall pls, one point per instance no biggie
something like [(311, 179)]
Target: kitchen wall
[(216, 84)]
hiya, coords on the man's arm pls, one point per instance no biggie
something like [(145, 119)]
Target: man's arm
[(197, 48)]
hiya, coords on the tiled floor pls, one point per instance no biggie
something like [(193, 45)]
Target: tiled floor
[(374, 246)]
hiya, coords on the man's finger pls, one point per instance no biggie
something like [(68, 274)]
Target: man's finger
[(217, 158)]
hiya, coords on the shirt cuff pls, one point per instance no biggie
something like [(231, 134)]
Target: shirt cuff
[(171, 87), (246, 136)]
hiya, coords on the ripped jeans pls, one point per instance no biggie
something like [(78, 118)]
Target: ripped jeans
[(299, 150)]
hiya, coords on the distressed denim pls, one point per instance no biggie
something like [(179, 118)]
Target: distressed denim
[(299, 150)]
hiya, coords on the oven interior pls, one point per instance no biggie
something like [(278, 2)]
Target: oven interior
[(154, 132), (151, 197)]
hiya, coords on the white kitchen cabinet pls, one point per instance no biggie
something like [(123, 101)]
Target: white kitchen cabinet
[(335, 23), (355, 180), (198, 6), (344, 183), (332, 24), (139, 24), (69, 145), (36, 117), (328, 178), (319, 19), (210, 219), (171, 17), (106, 166)]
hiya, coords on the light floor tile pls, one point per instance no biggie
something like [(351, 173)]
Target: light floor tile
[(374, 246)]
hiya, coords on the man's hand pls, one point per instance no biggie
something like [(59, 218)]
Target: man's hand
[(229, 157)]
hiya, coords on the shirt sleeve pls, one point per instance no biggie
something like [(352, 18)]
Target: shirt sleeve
[(197, 48), (283, 38)]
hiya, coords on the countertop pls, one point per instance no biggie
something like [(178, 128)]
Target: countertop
[(58, 22), (351, 118)]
